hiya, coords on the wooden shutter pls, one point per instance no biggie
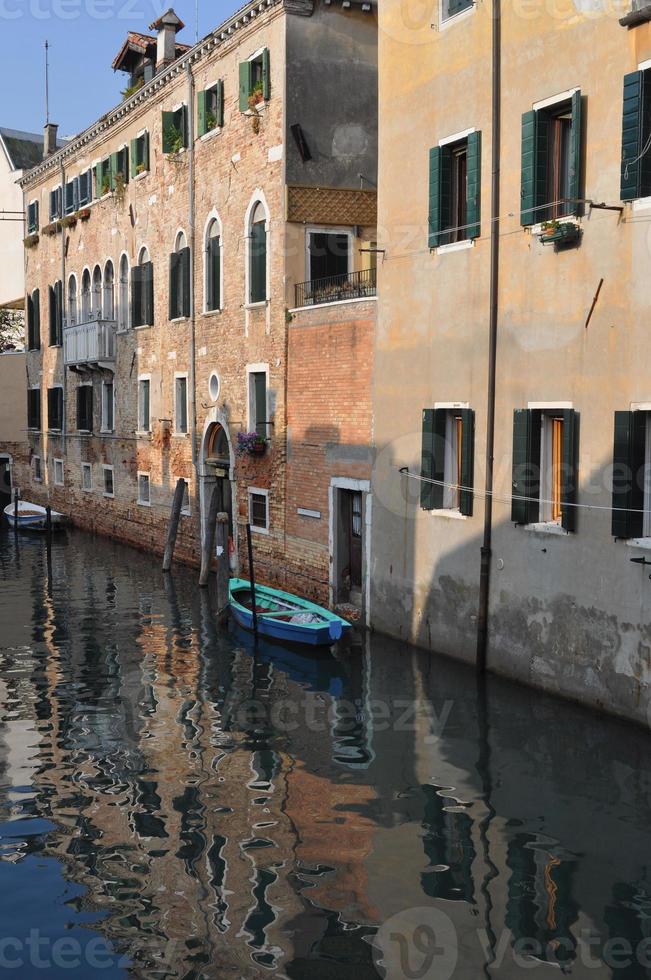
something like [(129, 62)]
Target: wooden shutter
[(525, 505), (473, 185), (202, 113), (148, 293), (174, 285), (54, 408), (219, 103), (434, 216), (30, 324), (52, 315), (569, 474), (631, 135), (182, 124), (213, 271), (36, 297), (136, 296), (185, 281), (528, 199), (245, 85), (98, 179), (114, 166), (133, 159), (266, 75), (258, 263), (58, 306), (145, 151), (445, 193), (574, 162), (260, 402), (628, 474), (433, 457), (168, 124), (467, 460)]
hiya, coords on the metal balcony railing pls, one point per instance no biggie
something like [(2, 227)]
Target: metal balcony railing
[(334, 289), (89, 342)]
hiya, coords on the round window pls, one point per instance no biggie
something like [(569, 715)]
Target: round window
[(214, 386)]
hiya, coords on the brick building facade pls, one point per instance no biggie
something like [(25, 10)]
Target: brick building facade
[(181, 252)]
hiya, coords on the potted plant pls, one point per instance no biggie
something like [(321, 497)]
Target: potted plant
[(559, 232), (31, 240), (173, 139), (251, 443), (50, 229), (69, 221), (140, 169), (211, 121), (83, 214), (256, 95)]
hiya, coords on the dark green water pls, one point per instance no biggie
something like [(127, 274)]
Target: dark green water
[(172, 806)]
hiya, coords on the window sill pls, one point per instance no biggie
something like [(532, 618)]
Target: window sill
[(257, 305), (455, 246), (141, 434), (546, 527), (456, 18), (109, 496), (141, 176), (538, 229), (180, 319), (259, 107), (643, 543), (259, 530), (107, 432), (84, 432), (86, 489), (143, 326), (143, 503), (59, 485), (448, 512), (641, 204), (213, 312), (54, 432), (180, 435), (210, 134)]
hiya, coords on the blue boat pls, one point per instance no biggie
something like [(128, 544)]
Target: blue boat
[(283, 616), (31, 517)]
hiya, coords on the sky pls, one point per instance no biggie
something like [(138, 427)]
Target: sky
[(84, 37)]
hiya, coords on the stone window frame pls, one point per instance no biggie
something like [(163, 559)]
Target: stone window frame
[(103, 428), (259, 368), (258, 197), (139, 431), (37, 469), (139, 500), (179, 433), (213, 218), (72, 318), (259, 491), (88, 468), (108, 467), (58, 462), (123, 324)]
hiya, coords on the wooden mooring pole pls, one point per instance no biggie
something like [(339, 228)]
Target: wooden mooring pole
[(175, 517), (249, 543), (208, 543), (223, 570)]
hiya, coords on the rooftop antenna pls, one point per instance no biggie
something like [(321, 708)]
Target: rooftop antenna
[(47, 85), (196, 21)]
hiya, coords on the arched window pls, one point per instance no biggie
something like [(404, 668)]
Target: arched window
[(108, 301), (72, 300), (258, 255), (97, 292), (142, 291), (123, 295), (179, 278), (213, 266), (85, 296)]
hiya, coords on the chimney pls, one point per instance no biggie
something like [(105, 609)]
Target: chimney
[(167, 26), (50, 139)]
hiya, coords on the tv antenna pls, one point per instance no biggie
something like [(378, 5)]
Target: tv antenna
[(47, 85)]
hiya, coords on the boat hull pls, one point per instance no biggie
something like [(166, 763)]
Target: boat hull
[(323, 633), (31, 517)]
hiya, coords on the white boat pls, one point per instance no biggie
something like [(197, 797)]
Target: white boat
[(31, 517)]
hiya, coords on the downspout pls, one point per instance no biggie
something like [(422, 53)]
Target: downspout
[(192, 235), (485, 567), (63, 308)]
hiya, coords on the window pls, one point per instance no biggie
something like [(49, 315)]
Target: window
[(210, 109), (450, 8), (55, 408), (255, 81), (85, 191), (71, 196), (108, 406), (259, 510), (85, 408), (185, 506), (143, 489), (636, 130), (72, 300), (123, 295), (58, 472), (551, 161), (96, 298), (631, 500), (258, 255), (144, 420), (142, 292), (55, 294), (109, 485), (103, 177), (55, 204), (140, 154), (175, 130), (85, 296), (328, 253), (38, 472), (181, 403), (258, 402), (86, 476), (34, 408), (447, 461), (454, 190), (32, 218), (544, 481), (108, 300), (179, 299), (213, 271), (120, 167), (34, 321)]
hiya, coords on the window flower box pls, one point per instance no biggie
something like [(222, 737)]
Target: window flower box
[(251, 444), (31, 240), (69, 221), (559, 233), (83, 214), (52, 228)]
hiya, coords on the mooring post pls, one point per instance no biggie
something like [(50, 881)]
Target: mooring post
[(175, 517), (223, 571), (249, 543), (208, 543), (16, 508), (48, 523)]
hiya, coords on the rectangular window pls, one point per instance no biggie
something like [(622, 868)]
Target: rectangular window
[(55, 294), (120, 167), (447, 466), (108, 406), (181, 404), (545, 474), (213, 269), (34, 321), (34, 408), (144, 489), (38, 473), (450, 8), (258, 402), (329, 255), (55, 203), (142, 295), (210, 109), (179, 295), (109, 485), (259, 509), (140, 154), (86, 476), (258, 262), (551, 467), (58, 473), (85, 188), (175, 130), (636, 132), (144, 419), (85, 408), (185, 506), (551, 161), (454, 190), (71, 196), (255, 81), (55, 408), (32, 218)]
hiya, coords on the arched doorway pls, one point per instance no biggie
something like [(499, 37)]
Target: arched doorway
[(216, 470)]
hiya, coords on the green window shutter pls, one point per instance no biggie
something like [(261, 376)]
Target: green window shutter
[(219, 103), (136, 296), (445, 193), (569, 475), (30, 324), (168, 127), (575, 153), (631, 135), (145, 150), (528, 170), (58, 294), (525, 507), (114, 166), (182, 123), (245, 85), (202, 112), (628, 468), (36, 297), (473, 185), (433, 458), (213, 272), (98, 179), (133, 158), (266, 75), (148, 293), (434, 218), (258, 263), (185, 281), (174, 286), (260, 403), (467, 459), (52, 314)]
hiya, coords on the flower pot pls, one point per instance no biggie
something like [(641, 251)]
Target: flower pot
[(258, 450)]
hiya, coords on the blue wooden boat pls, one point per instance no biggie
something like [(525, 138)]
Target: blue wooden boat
[(31, 517), (283, 616)]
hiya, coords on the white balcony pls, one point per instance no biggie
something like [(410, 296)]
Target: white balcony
[(90, 344)]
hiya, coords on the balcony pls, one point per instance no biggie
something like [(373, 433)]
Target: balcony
[(90, 344), (337, 289)]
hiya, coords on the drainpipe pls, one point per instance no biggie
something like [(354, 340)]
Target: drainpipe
[(63, 309), (485, 567), (192, 236)]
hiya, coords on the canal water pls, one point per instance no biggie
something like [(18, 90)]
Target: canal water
[(175, 803)]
